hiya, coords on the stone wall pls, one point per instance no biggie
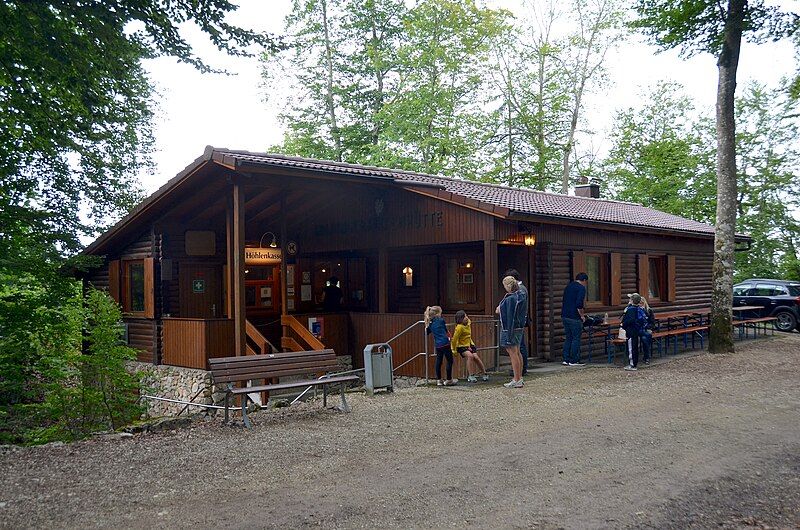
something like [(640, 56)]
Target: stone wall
[(174, 382), (184, 384)]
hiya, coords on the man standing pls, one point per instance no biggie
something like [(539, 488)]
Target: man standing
[(523, 347), (572, 316)]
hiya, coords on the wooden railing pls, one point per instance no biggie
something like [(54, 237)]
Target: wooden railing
[(262, 344), (307, 340)]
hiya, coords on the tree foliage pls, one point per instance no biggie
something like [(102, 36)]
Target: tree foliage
[(442, 86), (715, 27), (75, 113), (663, 157)]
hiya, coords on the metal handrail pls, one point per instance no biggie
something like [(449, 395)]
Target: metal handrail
[(407, 361), (405, 330)]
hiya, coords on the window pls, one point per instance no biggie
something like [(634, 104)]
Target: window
[(741, 290), (657, 279), (597, 286), (461, 284), (794, 290), (133, 301), (766, 289)]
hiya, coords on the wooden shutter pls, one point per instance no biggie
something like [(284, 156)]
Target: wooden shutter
[(113, 280), (578, 263), (643, 270), (149, 288), (616, 278), (670, 278)]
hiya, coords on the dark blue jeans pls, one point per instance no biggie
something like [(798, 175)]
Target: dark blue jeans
[(646, 340), (523, 349), (572, 340)]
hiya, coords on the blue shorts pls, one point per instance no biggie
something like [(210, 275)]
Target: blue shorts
[(510, 338)]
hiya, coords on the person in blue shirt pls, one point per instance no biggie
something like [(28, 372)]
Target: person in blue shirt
[(436, 326), (572, 316)]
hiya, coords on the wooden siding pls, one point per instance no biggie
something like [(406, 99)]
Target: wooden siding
[(173, 249), (140, 337), (351, 222), (191, 342), (692, 286), (372, 328), (336, 331)]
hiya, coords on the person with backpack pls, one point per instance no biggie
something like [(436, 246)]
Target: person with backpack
[(647, 336), (634, 322)]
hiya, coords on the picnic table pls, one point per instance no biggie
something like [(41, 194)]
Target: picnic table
[(669, 324), (743, 321)]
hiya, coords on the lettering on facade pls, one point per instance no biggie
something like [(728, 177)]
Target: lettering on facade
[(262, 256), (415, 220)]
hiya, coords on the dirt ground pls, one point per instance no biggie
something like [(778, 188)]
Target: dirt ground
[(697, 441)]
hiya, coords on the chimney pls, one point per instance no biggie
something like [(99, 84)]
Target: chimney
[(588, 190)]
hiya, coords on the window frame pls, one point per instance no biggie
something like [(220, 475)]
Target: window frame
[(604, 287), (661, 273), (126, 287)]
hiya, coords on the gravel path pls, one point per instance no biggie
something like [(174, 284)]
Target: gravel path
[(698, 441)]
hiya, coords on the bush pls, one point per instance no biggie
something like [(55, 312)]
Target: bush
[(50, 388)]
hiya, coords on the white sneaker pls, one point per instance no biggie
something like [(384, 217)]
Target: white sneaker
[(472, 379), (630, 368), (485, 377), (514, 384), (565, 363), (577, 364), (451, 382), (439, 383)]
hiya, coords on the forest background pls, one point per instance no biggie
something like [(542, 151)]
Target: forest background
[(444, 86)]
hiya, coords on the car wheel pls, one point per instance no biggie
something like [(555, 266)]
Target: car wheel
[(786, 321)]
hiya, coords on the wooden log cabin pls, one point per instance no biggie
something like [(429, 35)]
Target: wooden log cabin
[(232, 256)]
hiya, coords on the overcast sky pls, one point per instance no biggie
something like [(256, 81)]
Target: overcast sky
[(196, 109)]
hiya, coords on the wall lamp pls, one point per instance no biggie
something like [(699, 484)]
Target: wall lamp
[(272, 244), (528, 237)]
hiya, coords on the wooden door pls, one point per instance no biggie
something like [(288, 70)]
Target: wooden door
[(200, 290)]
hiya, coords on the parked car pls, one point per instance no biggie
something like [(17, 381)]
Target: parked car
[(778, 298)]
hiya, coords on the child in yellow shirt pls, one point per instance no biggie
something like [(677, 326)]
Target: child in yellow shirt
[(462, 344)]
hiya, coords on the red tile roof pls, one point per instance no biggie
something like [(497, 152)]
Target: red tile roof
[(521, 202)]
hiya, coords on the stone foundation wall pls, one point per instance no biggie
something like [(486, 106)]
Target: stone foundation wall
[(174, 382), (184, 384)]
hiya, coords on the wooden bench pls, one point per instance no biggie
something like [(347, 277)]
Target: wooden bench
[(271, 368), (744, 324), (665, 334)]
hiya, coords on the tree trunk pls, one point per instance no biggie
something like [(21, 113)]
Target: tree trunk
[(337, 141), (721, 332)]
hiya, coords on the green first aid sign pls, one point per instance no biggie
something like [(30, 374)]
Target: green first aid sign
[(198, 286)]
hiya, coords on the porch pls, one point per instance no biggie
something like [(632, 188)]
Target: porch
[(190, 343)]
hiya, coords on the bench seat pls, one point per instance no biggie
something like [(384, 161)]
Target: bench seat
[(271, 367)]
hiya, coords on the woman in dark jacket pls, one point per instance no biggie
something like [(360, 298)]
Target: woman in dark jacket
[(513, 311)]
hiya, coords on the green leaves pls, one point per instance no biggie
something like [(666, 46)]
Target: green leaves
[(75, 115), (386, 84), (696, 26), (665, 159)]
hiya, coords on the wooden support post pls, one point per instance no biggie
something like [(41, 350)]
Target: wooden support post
[(492, 279), (228, 279), (238, 269), (533, 294), (383, 280), (285, 304)]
